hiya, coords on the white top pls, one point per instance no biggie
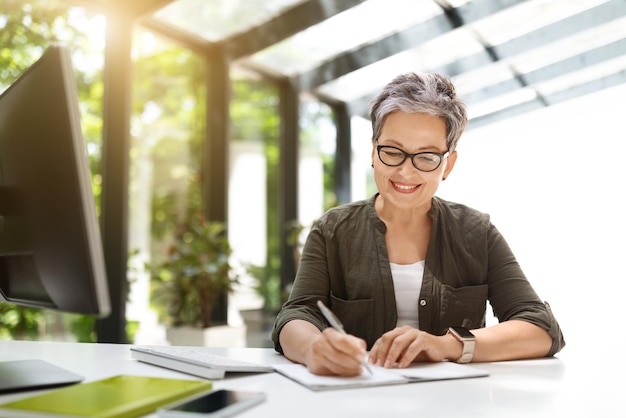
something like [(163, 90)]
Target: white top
[(407, 283)]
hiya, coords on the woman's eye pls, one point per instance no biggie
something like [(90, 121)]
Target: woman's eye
[(428, 158), (394, 154)]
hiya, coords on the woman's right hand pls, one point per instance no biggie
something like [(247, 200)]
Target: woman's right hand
[(324, 353), (334, 353)]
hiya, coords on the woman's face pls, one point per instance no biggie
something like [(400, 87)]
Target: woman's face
[(404, 186)]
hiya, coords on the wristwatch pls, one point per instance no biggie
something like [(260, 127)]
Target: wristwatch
[(467, 339)]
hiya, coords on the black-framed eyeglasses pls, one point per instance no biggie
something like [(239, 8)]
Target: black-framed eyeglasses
[(423, 161)]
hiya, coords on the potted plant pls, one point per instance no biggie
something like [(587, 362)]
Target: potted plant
[(189, 282), (259, 322)]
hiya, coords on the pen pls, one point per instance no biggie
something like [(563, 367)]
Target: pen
[(335, 323)]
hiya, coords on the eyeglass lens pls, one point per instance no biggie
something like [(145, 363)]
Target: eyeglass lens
[(423, 161)]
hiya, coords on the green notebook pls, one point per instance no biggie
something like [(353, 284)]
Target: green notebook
[(116, 397)]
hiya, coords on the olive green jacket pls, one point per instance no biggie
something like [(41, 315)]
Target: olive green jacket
[(345, 265)]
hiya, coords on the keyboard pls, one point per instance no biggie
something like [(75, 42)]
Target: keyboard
[(196, 362)]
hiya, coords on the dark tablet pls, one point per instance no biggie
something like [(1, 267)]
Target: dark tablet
[(18, 375)]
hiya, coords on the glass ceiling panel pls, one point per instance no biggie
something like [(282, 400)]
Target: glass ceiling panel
[(500, 102), (557, 51), (588, 74), (528, 16), (369, 21), (482, 77), (456, 3), (216, 20), (427, 57)]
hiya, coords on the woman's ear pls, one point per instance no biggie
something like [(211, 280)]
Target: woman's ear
[(449, 165)]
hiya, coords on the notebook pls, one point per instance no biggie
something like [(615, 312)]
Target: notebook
[(115, 397), (195, 361), (418, 372)]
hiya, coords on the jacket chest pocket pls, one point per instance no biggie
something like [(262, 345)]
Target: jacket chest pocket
[(462, 307), (356, 317)]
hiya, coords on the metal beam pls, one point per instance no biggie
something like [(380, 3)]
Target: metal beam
[(215, 158), (288, 177), (215, 154), (185, 39), (343, 155), (285, 25), (115, 173)]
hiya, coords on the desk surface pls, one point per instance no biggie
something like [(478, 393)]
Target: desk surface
[(536, 388)]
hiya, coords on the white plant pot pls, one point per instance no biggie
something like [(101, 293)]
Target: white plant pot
[(217, 336)]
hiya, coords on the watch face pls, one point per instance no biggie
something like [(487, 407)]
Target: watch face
[(463, 332)]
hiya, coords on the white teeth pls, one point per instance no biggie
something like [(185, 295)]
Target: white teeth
[(404, 187)]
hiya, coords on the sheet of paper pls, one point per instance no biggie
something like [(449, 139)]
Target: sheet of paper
[(440, 371), (302, 375)]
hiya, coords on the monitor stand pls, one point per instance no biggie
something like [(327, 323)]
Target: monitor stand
[(20, 375)]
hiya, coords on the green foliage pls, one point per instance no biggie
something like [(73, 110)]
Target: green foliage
[(267, 286), (27, 29), (170, 85), (254, 111), (196, 272), (83, 327), (19, 323)]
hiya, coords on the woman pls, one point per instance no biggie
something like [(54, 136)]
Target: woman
[(407, 273)]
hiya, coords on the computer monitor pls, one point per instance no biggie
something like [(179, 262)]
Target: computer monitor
[(50, 247)]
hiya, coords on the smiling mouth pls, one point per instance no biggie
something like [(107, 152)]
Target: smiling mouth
[(405, 188)]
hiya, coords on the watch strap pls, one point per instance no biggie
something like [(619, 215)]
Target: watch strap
[(468, 345)]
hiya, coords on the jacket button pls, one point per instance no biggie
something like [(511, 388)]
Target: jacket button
[(423, 302)]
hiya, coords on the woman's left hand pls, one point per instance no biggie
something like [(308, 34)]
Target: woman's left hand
[(404, 345)]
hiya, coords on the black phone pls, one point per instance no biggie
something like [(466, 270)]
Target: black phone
[(218, 403)]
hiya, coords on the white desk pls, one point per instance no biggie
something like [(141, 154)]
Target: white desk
[(537, 388)]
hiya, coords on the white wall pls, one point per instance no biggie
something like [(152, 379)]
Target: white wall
[(247, 227), (554, 183)]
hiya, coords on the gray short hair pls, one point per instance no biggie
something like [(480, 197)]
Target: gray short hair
[(428, 93)]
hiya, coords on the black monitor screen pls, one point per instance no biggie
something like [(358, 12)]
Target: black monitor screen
[(50, 247)]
